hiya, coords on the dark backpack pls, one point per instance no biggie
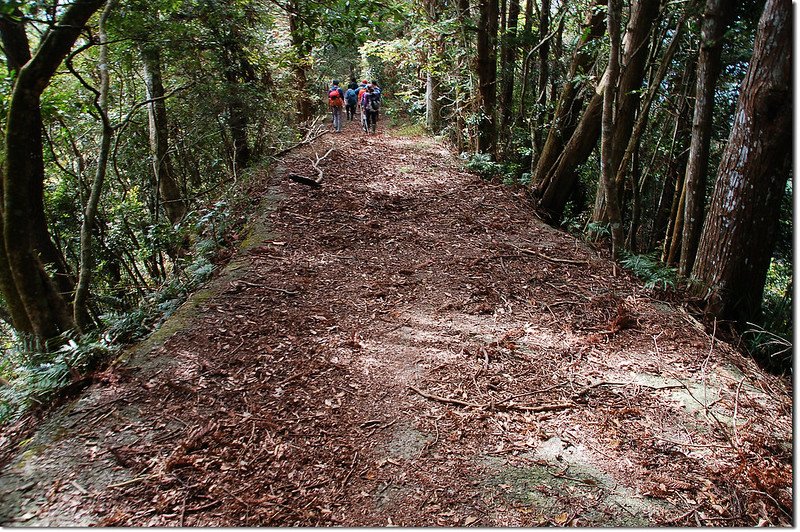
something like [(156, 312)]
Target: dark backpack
[(334, 98), (374, 102), (351, 96)]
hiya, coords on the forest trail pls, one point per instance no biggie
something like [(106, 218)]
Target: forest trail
[(409, 345)]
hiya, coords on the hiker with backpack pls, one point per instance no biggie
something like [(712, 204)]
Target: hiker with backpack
[(376, 94), (370, 104), (336, 102), (351, 100)]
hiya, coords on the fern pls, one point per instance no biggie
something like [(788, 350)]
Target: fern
[(31, 381), (654, 273)]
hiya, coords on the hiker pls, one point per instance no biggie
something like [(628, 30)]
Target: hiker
[(376, 91), (351, 100), (370, 105), (361, 90), (335, 102), (353, 84)]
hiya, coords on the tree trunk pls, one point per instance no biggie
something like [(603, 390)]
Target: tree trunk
[(433, 108), (675, 166), (45, 308), (174, 206), (568, 108), (607, 139), (636, 45), (739, 234), (561, 180), (540, 93), (508, 62), (303, 104), (718, 14), (79, 305), (487, 77)]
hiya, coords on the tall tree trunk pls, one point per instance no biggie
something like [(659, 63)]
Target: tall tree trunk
[(508, 62), (607, 139), (433, 107), (675, 165), (570, 103), (487, 77), (634, 60), (716, 18), (560, 182), (174, 206), (23, 177), (739, 234), (583, 140), (540, 92), (79, 305), (303, 105)]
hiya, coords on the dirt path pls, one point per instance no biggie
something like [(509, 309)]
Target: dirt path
[(408, 345)]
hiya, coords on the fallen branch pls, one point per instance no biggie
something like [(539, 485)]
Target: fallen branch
[(313, 183), (551, 259), (494, 406), (554, 259), (303, 180), (315, 164), (312, 135), (129, 482), (445, 399)]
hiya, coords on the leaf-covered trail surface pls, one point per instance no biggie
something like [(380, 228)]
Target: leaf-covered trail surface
[(409, 345)]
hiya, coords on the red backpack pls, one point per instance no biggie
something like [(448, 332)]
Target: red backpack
[(334, 98)]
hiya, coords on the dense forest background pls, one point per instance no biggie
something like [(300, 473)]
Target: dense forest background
[(133, 130)]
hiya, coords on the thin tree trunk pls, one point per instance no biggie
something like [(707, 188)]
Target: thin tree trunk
[(739, 234), (637, 39), (563, 178), (677, 226), (508, 62), (716, 18), (174, 205), (675, 165), (303, 105), (432, 82), (568, 108), (607, 137), (79, 306), (487, 77), (544, 73)]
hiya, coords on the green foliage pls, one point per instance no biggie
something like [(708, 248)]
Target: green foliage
[(648, 268), (483, 165), (598, 230), (770, 341), (34, 378)]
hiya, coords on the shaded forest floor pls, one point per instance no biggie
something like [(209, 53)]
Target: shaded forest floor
[(409, 345)]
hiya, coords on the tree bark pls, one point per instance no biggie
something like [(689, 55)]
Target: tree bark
[(562, 179), (508, 62), (607, 139), (23, 178), (568, 108), (739, 234), (540, 92), (634, 60), (716, 18), (303, 104), (174, 205), (79, 306), (666, 206), (487, 77), (433, 107)]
